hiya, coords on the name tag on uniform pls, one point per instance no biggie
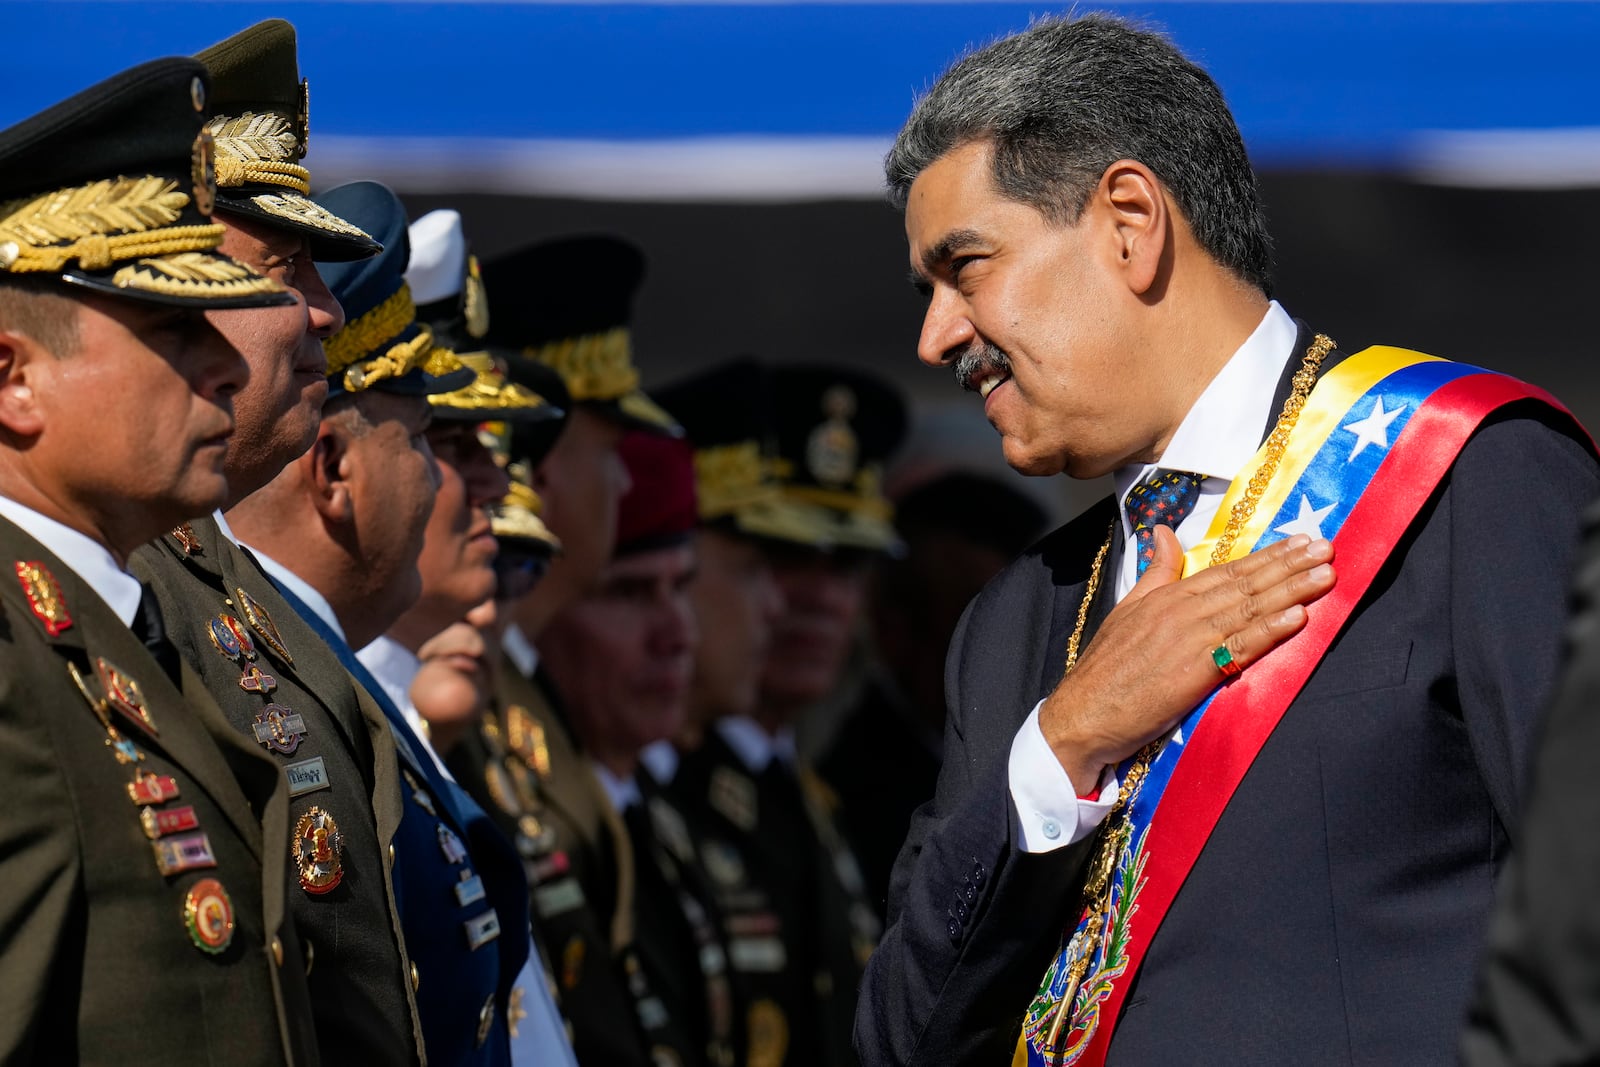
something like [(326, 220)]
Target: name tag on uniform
[(558, 897), (482, 930), (757, 954), (469, 890), (307, 776)]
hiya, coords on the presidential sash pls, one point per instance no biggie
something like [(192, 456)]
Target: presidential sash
[(1377, 435)]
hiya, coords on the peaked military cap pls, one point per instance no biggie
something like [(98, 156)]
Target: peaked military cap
[(262, 128), (726, 413), (658, 510), (382, 346), (836, 428), (112, 190), (441, 275), (567, 304)]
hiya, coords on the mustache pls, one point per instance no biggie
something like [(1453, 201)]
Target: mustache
[(979, 361)]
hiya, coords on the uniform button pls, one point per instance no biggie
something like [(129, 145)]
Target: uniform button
[(978, 873), (955, 931), (970, 894), (277, 951), (961, 911), (391, 855), (1051, 828), (416, 979)]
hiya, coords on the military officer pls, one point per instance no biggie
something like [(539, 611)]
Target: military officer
[(564, 306), (745, 786), (143, 899), (266, 669)]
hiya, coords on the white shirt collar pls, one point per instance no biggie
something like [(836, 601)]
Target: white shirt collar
[(300, 588), (225, 529), (89, 559), (1222, 431), (660, 758), (755, 747), (395, 667), (520, 650), (624, 792)]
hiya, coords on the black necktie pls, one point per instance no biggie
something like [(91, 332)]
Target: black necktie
[(148, 627)]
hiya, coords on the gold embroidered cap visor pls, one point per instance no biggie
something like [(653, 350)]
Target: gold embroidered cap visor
[(331, 238), (112, 189), (490, 397)]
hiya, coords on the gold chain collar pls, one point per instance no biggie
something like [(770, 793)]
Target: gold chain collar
[(1118, 826)]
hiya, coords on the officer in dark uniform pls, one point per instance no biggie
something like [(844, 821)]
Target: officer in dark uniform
[(767, 819), (143, 898), (564, 306), (272, 675)]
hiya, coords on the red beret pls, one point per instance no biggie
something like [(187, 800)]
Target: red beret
[(659, 509)]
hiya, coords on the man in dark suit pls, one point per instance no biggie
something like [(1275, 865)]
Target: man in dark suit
[(143, 904), (1081, 211)]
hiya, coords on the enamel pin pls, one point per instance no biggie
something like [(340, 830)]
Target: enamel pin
[(208, 916), (44, 597), (454, 851), (279, 728), (158, 824), (149, 788), (125, 750), (174, 855), (262, 624), (124, 694), (184, 535), (318, 845)]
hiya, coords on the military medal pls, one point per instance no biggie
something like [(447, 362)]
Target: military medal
[(454, 851), (279, 728), (469, 890), (148, 788), (158, 824), (124, 694), (525, 735), (317, 848), (482, 929), (44, 597), (208, 916), (174, 855), (262, 624), (184, 535)]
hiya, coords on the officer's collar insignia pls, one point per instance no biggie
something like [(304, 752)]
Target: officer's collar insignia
[(208, 916), (262, 624), (832, 451), (318, 847), (187, 540), (734, 796), (123, 694), (44, 597)]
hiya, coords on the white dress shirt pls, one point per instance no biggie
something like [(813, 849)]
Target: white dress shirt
[(395, 667), (1217, 439), (520, 650), (89, 559), (755, 747)]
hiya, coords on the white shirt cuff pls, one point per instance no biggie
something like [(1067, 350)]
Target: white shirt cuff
[(1046, 809)]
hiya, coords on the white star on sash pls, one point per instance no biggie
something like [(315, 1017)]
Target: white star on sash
[(1309, 521), (1374, 429)]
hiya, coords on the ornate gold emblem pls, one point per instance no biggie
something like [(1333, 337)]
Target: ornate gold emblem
[(318, 847), (262, 624), (185, 536), (832, 451)]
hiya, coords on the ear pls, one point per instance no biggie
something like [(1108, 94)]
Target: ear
[(1136, 205), (21, 361), (329, 468)]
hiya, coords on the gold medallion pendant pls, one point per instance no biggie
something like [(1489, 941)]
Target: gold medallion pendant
[(318, 846)]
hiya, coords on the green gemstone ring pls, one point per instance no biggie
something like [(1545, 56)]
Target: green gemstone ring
[(1224, 661)]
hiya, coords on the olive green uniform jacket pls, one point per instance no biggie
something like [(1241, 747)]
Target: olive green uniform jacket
[(340, 760), (98, 961)]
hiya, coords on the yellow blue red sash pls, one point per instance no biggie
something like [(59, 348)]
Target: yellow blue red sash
[(1377, 435)]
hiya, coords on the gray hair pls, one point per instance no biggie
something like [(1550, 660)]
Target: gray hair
[(1063, 100)]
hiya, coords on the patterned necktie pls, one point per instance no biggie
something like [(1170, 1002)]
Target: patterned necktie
[(1162, 499)]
